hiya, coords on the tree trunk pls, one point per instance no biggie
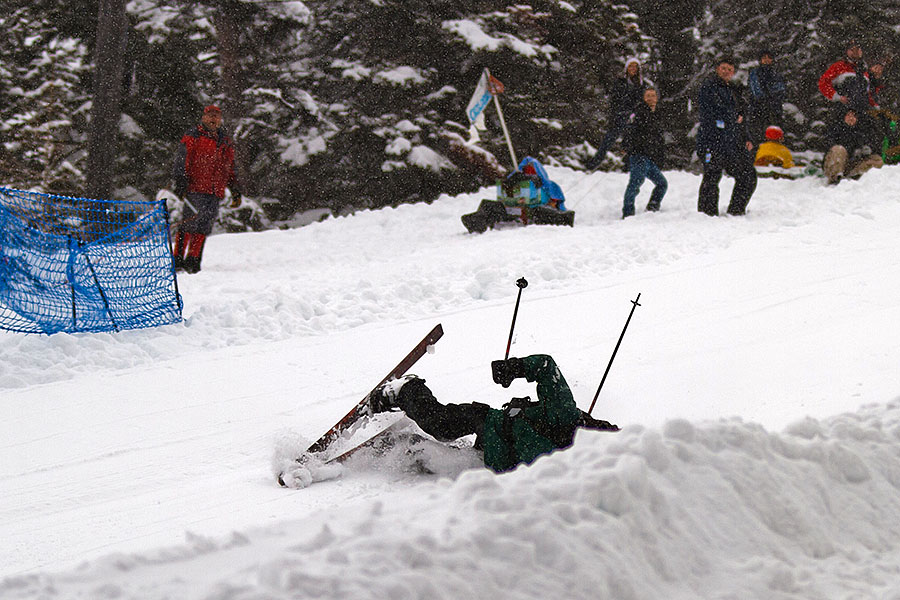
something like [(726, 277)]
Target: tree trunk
[(109, 64), (232, 85)]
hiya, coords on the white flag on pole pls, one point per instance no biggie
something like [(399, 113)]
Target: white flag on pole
[(488, 85), (480, 99)]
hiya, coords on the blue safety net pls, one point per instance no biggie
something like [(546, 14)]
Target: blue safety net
[(75, 264)]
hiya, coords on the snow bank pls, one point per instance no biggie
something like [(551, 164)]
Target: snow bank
[(721, 510)]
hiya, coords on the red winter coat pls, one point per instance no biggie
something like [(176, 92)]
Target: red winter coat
[(205, 163), (843, 78)]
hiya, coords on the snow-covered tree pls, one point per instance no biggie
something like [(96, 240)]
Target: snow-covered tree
[(43, 102)]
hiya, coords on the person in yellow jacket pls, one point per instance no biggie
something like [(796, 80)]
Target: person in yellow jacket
[(772, 153)]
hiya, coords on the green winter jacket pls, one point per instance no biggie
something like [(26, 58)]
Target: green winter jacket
[(522, 431)]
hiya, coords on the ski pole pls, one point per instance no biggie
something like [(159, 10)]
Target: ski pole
[(611, 358), (522, 284)]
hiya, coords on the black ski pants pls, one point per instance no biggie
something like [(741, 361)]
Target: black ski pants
[(737, 164), (444, 422)]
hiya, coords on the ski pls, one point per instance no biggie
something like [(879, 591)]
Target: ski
[(375, 430), (362, 407)]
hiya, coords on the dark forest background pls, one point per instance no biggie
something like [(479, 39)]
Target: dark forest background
[(350, 104)]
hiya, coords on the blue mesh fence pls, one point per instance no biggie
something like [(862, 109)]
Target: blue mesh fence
[(75, 264)]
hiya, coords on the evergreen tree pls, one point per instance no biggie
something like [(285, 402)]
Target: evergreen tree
[(42, 101)]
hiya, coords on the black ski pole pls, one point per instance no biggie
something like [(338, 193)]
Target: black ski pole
[(522, 284), (611, 358)]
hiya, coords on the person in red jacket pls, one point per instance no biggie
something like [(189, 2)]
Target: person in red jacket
[(204, 167), (847, 81)]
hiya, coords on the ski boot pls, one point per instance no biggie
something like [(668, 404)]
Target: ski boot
[(387, 396)]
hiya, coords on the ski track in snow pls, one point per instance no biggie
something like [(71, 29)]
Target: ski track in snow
[(721, 485)]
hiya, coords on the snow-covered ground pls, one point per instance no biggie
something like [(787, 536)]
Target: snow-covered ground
[(757, 386)]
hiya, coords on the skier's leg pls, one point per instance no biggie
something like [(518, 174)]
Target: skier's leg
[(444, 422)]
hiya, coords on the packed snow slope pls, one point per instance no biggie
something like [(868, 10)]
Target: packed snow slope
[(757, 386)]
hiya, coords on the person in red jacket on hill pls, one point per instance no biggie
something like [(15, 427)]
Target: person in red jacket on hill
[(204, 167), (847, 81), (849, 85)]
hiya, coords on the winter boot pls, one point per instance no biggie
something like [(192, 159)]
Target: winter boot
[(387, 396), (181, 243), (194, 253), (191, 264)]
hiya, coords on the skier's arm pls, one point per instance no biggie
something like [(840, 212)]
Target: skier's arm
[(552, 390)]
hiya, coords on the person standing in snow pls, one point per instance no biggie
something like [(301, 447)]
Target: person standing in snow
[(645, 145), (722, 142), (875, 74), (846, 138), (627, 94), (767, 92), (204, 167), (516, 434), (847, 82)]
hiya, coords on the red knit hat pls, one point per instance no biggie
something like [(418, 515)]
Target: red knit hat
[(212, 108), (774, 133)]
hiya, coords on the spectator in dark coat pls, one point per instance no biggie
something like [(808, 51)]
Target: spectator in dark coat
[(876, 83), (849, 154), (646, 151), (627, 94), (767, 93), (203, 168), (722, 142)]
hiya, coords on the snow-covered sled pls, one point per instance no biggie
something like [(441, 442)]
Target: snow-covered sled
[(527, 196), (795, 172), (774, 160)]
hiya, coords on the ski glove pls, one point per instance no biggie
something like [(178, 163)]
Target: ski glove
[(505, 371)]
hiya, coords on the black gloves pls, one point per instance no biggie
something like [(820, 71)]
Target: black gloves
[(505, 371)]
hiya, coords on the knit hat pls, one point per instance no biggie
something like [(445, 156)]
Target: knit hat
[(774, 133), (212, 109)]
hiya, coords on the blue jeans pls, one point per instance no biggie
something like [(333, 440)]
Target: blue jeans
[(643, 168)]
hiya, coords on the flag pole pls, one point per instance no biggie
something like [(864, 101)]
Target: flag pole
[(512, 153)]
